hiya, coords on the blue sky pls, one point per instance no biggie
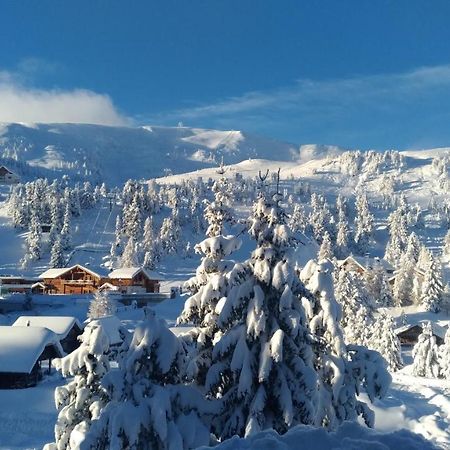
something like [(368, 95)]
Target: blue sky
[(356, 73)]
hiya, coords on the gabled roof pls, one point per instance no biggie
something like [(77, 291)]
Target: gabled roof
[(128, 273), (4, 170), (437, 329), (60, 325), (365, 263), (21, 347), (57, 272)]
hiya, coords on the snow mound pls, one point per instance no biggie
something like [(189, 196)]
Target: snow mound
[(348, 436)]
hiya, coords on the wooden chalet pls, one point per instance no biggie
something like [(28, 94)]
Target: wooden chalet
[(22, 350), (67, 329), (11, 284), (71, 280), (7, 176), (135, 280), (409, 334), (361, 264)]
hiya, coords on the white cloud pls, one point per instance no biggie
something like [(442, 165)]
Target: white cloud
[(386, 91), (21, 103)]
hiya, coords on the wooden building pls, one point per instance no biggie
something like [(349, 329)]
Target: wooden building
[(409, 334), (66, 328), (361, 264), (7, 176), (135, 280), (71, 280), (22, 350), (13, 284)]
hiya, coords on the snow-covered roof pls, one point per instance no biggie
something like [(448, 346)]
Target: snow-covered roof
[(56, 273), (365, 262), (108, 286), (437, 329), (180, 330), (60, 325), (21, 347), (128, 273), (111, 325)]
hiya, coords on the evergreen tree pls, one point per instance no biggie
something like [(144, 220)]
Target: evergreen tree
[(444, 357), (129, 256), (446, 248), (66, 232), (378, 285), (170, 234), (214, 278), (149, 408), (81, 400), (342, 237), (343, 370), (398, 233), (432, 287), (426, 354), (102, 305), (363, 223), (403, 283), (57, 256), (262, 364), (298, 221), (33, 241), (326, 250), (385, 341)]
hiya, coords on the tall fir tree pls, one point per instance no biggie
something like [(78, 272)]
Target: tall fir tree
[(432, 287), (426, 354)]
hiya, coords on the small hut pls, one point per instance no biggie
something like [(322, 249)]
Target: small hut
[(66, 328), (22, 349), (409, 333)]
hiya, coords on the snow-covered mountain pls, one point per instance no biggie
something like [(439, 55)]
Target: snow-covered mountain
[(115, 154)]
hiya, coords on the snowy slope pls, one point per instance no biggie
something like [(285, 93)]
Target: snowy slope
[(115, 154)]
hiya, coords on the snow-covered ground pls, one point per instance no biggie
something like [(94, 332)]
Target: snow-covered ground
[(417, 404)]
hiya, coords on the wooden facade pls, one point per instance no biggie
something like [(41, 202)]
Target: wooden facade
[(74, 280), (80, 280), (138, 283)]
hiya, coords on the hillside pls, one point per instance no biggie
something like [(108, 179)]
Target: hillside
[(115, 154)]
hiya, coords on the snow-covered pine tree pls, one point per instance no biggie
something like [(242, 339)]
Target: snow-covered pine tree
[(214, 277), (150, 409), (384, 340), (444, 357), (344, 370), (116, 246), (129, 256), (57, 255), (66, 231), (432, 287), (426, 354), (150, 245), (80, 401), (446, 247), (262, 366), (102, 305), (342, 237), (298, 220), (33, 240), (363, 223), (326, 248), (398, 232), (170, 234), (402, 290), (378, 285)]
